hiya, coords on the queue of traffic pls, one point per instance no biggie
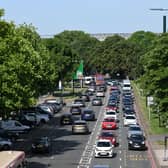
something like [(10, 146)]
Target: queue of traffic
[(120, 102)]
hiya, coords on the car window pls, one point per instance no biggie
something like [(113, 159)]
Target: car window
[(17, 124), (130, 117), (103, 144), (135, 129), (107, 134)]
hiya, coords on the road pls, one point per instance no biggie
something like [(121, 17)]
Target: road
[(77, 151)]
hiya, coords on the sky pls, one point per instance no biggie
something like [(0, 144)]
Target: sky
[(51, 17)]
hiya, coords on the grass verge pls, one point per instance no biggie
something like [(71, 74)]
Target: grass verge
[(149, 116)]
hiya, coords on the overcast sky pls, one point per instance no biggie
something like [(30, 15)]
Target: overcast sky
[(91, 16)]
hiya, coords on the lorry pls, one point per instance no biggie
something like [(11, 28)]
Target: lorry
[(99, 79)]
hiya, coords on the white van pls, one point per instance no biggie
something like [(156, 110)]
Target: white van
[(88, 80), (126, 85), (14, 126)]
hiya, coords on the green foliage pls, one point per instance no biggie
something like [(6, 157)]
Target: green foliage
[(2, 12), (155, 78), (21, 66)]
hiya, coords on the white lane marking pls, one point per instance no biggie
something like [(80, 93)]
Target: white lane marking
[(86, 155)]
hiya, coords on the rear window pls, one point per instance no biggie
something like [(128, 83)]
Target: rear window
[(130, 117), (79, 123)]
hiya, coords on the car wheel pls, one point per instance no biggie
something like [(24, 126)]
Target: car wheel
[(42, 121)]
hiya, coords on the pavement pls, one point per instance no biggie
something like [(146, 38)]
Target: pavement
[(157, 151), (160, 151)]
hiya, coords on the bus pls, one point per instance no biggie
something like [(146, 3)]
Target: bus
[(12, 159)]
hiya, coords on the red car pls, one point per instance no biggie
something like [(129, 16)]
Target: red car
[(109, 123), (107, 134), (110, 108)]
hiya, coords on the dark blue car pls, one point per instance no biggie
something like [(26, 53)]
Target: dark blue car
[(88, 114)]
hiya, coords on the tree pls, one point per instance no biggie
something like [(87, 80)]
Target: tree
[(155, 78)]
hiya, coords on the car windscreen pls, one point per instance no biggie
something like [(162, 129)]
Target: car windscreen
[(88, 112), (135, 129), (110, 113), (130, 117), (103, 144), (107, 134)]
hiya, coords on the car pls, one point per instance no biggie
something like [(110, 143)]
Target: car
[(100, 93), (137, 141), (47, 108), (111, 114), (101, 166), (42, 144), (80, 102), (107, 134), (8, 135), (80, 127), (88, 114), (85, 97), (134, 129), (35, 109), (103, 87), (128, 112), (66, 119), (29, 119), (14, 126), (57, 106), (109, 123), (5, 144), (103, 148), (88, 92), (75, 109), (112, 105), (111, 108), (130, 120), (97, 101)]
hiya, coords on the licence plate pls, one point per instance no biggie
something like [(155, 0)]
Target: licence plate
[(103, 153)]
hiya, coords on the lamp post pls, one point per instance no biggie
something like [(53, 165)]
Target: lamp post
[(164, 17)]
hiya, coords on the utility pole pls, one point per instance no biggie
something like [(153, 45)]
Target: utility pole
[(164, 17)]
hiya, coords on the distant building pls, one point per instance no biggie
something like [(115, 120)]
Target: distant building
[(103, 36), (99, 36)]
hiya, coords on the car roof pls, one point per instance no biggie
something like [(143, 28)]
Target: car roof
[(86, 109), (134, 126), (103, 140), (101, 166), (107, 131), (79, 121)]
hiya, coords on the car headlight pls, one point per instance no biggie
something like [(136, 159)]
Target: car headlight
[(130, 142), (143, 142)]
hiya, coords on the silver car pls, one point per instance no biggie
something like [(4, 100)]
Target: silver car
[(80, 127), (134, 129)]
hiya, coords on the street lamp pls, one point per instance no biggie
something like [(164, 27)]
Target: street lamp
[(164, 17)]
